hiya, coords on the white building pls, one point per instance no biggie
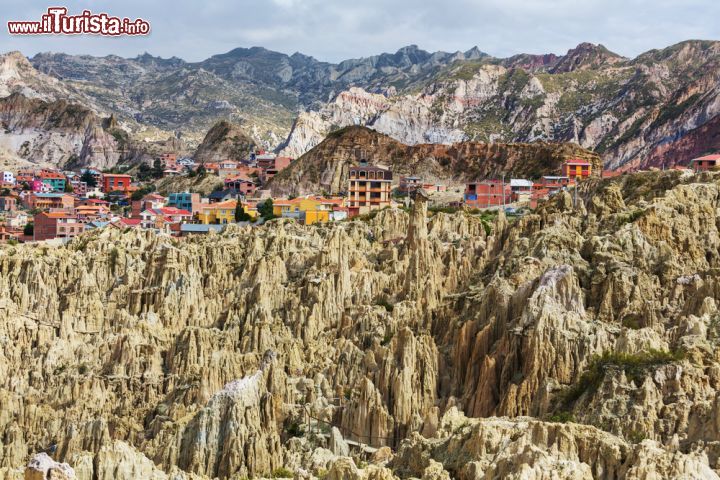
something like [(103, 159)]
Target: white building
[(8, 178)]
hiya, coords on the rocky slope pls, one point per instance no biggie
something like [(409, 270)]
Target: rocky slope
[(326, 167), (55, 133), (224, 141), (129, 355), (657, 109)]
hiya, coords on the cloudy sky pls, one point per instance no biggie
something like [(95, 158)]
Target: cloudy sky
[(335, 30)]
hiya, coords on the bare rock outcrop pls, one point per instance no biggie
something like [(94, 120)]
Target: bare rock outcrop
[(579, 339)]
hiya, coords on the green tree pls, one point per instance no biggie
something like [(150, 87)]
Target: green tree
[(29, 229), (201, 170), (141, 192), (157, 170), (68, 187), (265, 209), (144, 172), (240, 214), (89, 179)]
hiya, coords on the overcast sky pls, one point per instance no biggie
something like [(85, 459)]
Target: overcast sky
[(334, 30)]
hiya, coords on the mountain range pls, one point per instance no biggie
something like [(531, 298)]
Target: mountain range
[(658, 109)]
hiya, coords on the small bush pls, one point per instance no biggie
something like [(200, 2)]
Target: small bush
[(385, 303), (634, 366), (635, 436), (294, 430), (282, 472), (561, 417)]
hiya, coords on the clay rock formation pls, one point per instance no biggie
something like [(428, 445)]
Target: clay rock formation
[(42, 467), (578, 340)]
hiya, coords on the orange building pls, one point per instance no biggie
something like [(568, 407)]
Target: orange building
[(115, 182), (45, 201), (576, 168), (369, 189)]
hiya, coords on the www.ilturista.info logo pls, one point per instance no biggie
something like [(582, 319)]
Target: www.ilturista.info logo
[(57, 21)]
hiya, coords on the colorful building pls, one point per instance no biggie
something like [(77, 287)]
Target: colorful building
[(46, 201), (487, 193), (185, 201), (161, 218), (552, 184), (49, 225), (520, 190), (368, 189), (168, 160), (708, 162), (54, 180), (311, 209), (270, 166), (217, 213), (8, 204), (115, 182), (576, 168), (241, 184), (79, 187)]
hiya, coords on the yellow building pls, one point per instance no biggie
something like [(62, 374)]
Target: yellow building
[(218, 213), (308, 210)]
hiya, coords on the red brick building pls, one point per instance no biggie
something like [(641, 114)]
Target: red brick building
[(488, 193), (49, 225)]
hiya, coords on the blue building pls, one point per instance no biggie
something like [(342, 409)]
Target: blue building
[(185, 201)]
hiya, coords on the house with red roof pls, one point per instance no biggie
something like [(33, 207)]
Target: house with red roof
[(702, 164), (161, 218), (576, 168)]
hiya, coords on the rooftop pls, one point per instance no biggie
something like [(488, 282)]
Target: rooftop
[(714, 156)]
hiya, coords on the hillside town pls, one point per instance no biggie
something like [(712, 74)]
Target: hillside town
[(47, 204)]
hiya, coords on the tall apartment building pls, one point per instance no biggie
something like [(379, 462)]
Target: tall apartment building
[(369, 189)]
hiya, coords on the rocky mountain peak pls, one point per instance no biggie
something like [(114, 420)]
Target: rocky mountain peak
[(586, 56), (224, 141)]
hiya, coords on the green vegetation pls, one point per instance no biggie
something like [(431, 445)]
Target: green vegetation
[(29, 229), (141, 192), (282, 472), (294, 430), (241, 215), (561, 417), (265, 210), (635, 367), (635, 436), (624, 218), (89, 179), (385, 303)]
